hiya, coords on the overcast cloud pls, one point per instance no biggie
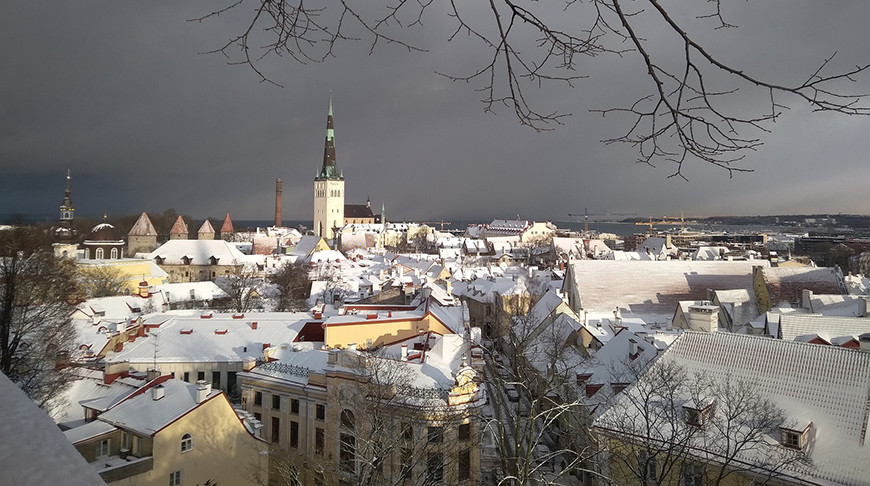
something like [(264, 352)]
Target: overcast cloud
[(118, 92)]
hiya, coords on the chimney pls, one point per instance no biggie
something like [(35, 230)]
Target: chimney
[(152, 374), (332, 357), (157, 392), (632, 347), (254, 325), (278, 202), (807, 299), (864, 342), (404, 352), (865, 310), (203, 388)]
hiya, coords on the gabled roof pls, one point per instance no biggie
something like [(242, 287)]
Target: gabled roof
[(143, 227), (144, 415), (788, 284), (361, 211), (793, 326)]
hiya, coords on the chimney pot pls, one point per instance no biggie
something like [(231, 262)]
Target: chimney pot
[(157, 392)]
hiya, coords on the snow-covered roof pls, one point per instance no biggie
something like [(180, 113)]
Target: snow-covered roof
[(654, 287), (795, 326), (824, 386), (219, 338), (28, 434), (145, 415), (198, 251), (786, 284)]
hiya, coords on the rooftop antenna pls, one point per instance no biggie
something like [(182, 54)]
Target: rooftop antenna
[(155, 343)]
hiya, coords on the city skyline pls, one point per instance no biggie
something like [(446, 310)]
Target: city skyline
[(119, 94)]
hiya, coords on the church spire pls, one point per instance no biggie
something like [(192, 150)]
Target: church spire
[(329, 169), (66, 207)]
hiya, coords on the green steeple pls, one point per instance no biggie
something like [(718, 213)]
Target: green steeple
[(329, 169)]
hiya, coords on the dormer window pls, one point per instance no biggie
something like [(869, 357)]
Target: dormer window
[(695, 415), (185, 260), (794, 438)]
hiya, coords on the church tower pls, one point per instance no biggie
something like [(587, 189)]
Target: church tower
[(328, 188), (64, 233)]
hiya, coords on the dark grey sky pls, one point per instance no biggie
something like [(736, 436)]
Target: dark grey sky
[(118, 92)]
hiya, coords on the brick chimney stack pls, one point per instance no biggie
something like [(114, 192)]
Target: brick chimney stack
[(278, 202)]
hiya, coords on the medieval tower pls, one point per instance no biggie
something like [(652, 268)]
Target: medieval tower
[(328, 188)]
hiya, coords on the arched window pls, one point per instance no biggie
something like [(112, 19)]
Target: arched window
[(347, 419), (98, 255), (114, 253), (186, 443)]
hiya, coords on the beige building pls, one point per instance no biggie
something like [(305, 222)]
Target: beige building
[(196, 260), (170, 432), (405, 409)]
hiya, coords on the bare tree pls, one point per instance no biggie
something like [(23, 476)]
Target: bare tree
[(37, 294), (689, 108), (540, 422), (673, 427), (242, 286), (102, 280), (389, 431), (294, 286)]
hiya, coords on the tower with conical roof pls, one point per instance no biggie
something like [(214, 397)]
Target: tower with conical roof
[(328, 187), (142, 237), (179, 230)]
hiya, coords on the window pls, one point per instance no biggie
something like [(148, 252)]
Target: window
[(464, 465), (646, 467), (294, 434), (435, 467), (200, 375), (114, 254), (187, 376), (258, 416), (216, 379), (465, 431), (258, 399), (320, 411), (319, 441), (102, 449), (175, 478), (347, 419), (435, 434), (186, 443), (136, 447), (693, 474), (407, 464), (794, 439), (294, 406), (276, 402), (697, 416), (276, 429), (347, 453), (98, 254), (488, 310)]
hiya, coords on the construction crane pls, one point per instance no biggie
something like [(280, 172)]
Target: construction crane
[(666, 220), (586, 215), (442, 223)]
